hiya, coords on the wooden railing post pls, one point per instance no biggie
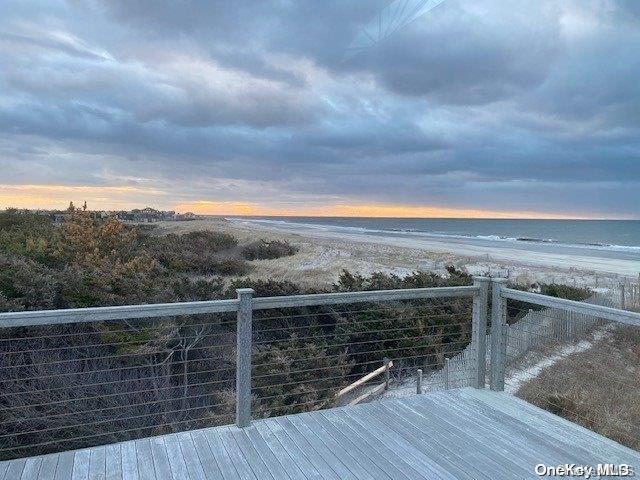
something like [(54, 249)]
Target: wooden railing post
[(419, 381), (243, 357), (498, 334), (479, 329)]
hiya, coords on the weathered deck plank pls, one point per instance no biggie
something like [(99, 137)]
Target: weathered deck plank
[(205, 456), (284, 456), (113, 465), (225, 463), (160, 458), (176, 459), (97, 464), (146, 469), (401, 446), (463, 433), (301, 451), (31, 468), (48, 467), (194, 467), (560, 430), (64, 468), (373, 446), (81, 465), (129, 461)]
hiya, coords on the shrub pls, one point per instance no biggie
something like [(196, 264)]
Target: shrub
[(26, 285), (263, 250), (201, 253), (207, 241), (27, 235), (296, 376), (226, 265), (517, 309), (565, 291), (348, 282)]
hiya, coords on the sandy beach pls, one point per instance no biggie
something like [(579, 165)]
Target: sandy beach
[(325, 253)]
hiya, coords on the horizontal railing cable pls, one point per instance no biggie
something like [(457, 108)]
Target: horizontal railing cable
[(128, 430), (107, 395), (115, 379), (260, 331)]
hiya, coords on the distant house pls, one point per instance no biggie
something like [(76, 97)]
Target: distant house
[(186, 216), (123, 216), (147, 215)]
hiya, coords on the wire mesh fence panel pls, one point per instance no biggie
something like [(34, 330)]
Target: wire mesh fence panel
[(75, 385), (627, 296), (579, 366), (319, 357)]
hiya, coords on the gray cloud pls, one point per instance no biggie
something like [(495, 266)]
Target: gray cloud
[(497, 105)]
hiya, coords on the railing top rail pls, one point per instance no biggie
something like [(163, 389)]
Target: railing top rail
[(264, 303), (120, 312), (606, 313), (129, 312)]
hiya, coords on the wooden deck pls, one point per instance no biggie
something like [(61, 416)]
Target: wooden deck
[(464, 433)]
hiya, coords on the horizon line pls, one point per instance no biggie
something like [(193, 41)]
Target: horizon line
[(598, 219)]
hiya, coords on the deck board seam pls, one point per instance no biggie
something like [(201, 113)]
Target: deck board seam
[(259, 430), (205, 445), (452, 456), (412, 438), (505, 456), (519, 428), (560, 426), (354, 446), (253, 469), (301, 459), (53, 468), (321, 443), (502, 422), (494, 425), (301, 437), (366, 436), (284, 441), (346, 452), (236, 454), (253, 437), (414, 450), (445, 459), (224, 449)]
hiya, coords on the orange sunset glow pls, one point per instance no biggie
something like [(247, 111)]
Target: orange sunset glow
[(354, 210), (128, 197)]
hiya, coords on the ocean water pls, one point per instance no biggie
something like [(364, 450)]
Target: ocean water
[(621, 236)]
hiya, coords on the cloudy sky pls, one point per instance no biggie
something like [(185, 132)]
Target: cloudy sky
[(477, 108)]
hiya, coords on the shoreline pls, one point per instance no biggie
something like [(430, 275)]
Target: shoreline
[(526, 243), (325, 252)]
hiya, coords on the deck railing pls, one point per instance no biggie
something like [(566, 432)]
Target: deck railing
[(582, 360), (372, 335), (81, 377)]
